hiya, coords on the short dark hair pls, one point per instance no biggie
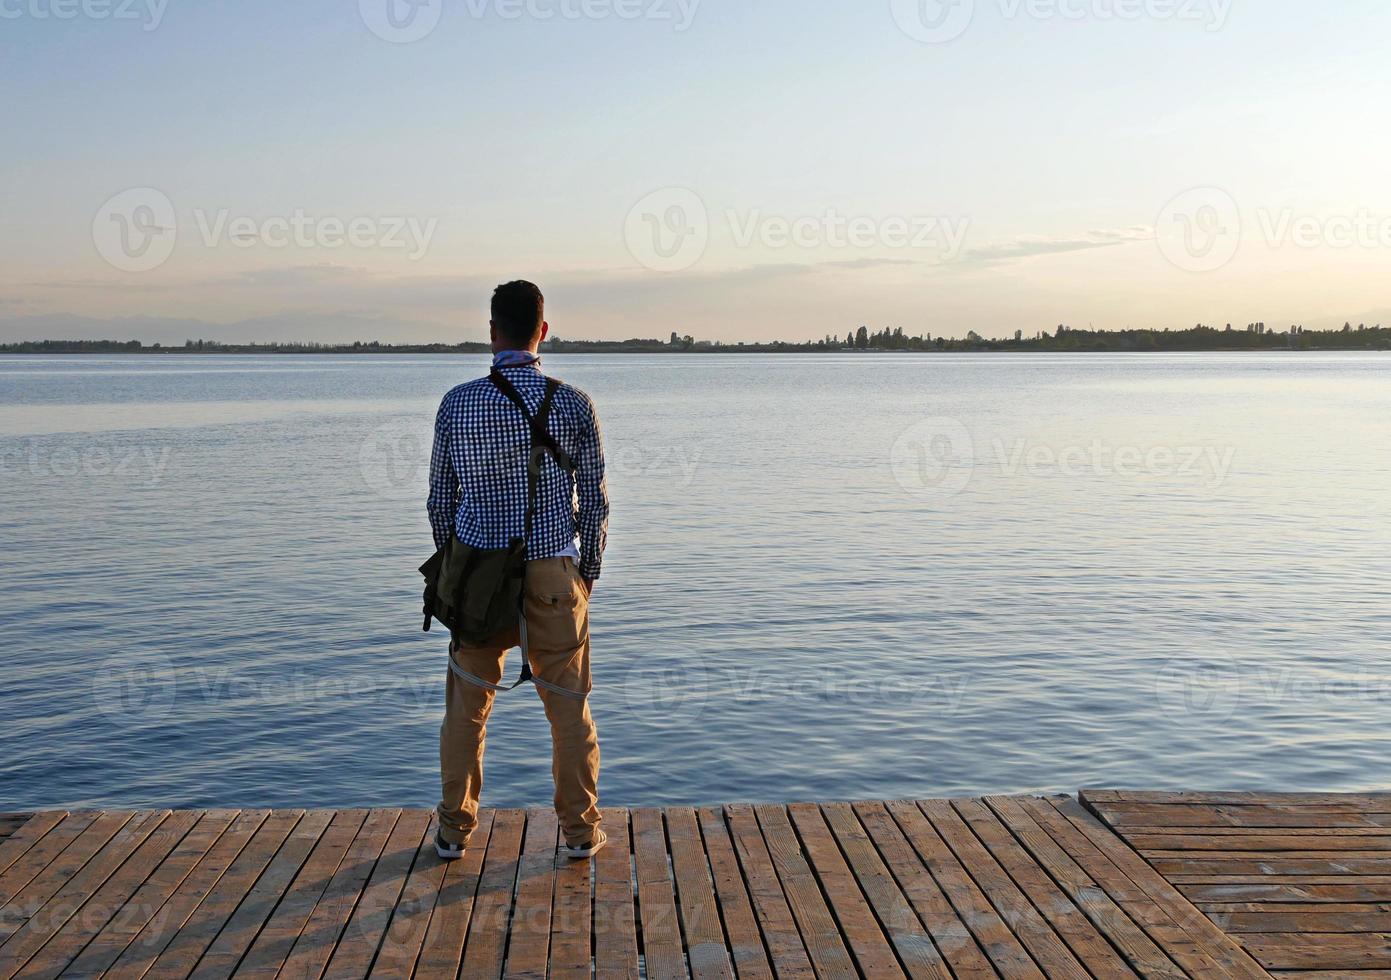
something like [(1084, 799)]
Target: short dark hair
[(519, 309)]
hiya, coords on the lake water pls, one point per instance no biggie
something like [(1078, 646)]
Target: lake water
[(829, 577)]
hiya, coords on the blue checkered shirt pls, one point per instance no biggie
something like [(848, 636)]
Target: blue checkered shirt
[(478, 471)]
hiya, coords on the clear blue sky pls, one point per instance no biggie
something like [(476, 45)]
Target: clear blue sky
[(1012, 176)]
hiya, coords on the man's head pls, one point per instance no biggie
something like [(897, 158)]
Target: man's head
[(519, 316)]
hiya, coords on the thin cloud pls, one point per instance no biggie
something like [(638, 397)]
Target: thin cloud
[(1031, 246)]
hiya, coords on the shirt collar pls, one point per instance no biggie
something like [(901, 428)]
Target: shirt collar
[(516, 358)]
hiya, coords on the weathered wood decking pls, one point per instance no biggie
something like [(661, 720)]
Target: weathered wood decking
[(1012, 887), (1303, 882)]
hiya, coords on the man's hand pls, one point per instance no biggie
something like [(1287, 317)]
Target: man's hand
[(588, 584)]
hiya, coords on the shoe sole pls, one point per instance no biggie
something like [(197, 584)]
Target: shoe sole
[(448, 855), (582, 854)]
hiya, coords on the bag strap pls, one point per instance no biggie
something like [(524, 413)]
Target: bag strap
[(539, 433), (542, 442)]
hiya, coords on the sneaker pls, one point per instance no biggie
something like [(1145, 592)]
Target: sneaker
[(586, 851), (446, 850)]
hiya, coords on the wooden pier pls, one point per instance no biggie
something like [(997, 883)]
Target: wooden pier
[(1117, 885)]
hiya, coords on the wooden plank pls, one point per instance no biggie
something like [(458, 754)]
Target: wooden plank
[(571, 919), (656, 895), (135, 958), (775, 918), (267, 954), (187, 946), (310, 954), (1193, 941), (1308, 923), (873, 953), (44, 852), (700, 914), (950, 935), (1321, 800), (357, 947), (749, 957), (150, 897), (1247, 840), (404, 935), (487, 933), (910, 938), (452, 913), (1083, 938), (820, 934), (1183, 882), (1138, 815), (615, 924), (1354, 891), (1000, 945), (11, 822), (243, 925), (1019, 914), (1329, 907), (27, 835), (1258, 865), (1095, 901), (529, 941), (1295, 951), (51, 901), (87, 921)]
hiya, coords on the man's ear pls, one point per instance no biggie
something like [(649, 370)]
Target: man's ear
[(545, 329)]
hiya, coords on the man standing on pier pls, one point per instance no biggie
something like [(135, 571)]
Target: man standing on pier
[(479, 496)]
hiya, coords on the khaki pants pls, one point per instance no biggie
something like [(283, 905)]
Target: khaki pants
[(557, 619)]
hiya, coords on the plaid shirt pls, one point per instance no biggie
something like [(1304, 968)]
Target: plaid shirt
[(478, 471)]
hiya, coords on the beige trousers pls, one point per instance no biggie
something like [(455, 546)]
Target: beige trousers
[(557, 618)]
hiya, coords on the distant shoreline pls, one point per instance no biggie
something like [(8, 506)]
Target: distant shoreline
[(1065, 340)]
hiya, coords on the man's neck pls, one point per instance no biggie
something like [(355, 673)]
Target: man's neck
[(515, 357)]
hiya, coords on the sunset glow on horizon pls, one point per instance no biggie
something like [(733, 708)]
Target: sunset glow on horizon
[(369, 169)]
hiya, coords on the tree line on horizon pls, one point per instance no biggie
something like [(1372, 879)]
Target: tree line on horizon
[(1201, 337)]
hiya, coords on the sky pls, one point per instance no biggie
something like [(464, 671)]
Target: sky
[(338, 170)]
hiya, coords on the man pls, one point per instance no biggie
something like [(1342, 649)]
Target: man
[(478, 494)]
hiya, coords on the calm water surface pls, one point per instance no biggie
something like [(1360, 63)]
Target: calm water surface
[(829, 577)]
